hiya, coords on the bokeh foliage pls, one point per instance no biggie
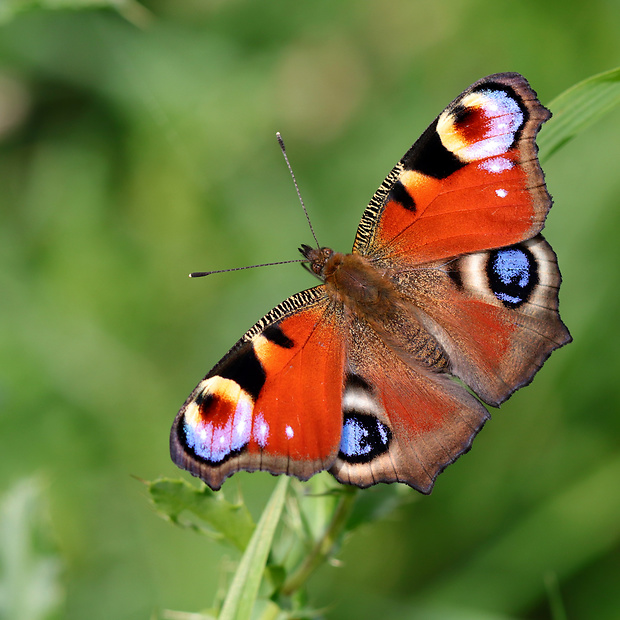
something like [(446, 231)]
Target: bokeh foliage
[(138, 145)]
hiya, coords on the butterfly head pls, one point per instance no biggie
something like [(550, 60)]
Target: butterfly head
[(317, 259)]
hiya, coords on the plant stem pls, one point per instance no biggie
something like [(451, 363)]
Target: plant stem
[(324, 546)]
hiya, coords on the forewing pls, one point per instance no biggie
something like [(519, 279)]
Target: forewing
[(273, 402), (471, 182)]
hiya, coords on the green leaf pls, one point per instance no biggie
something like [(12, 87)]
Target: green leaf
[(577, 108), (244, 587), (29, 564), (327, 543), (225, 520)]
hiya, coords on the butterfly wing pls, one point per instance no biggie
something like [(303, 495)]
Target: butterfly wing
[(489, 318), (494, 313), (455, 225), (401, 421), (273, 402), (471, 182)]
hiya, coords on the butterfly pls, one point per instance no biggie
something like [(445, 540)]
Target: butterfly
[(449, 284)]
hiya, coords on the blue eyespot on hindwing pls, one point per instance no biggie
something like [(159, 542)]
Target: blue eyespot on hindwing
[(364, 436), (512, 274)]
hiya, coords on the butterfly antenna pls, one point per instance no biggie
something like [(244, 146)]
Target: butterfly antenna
[(200, 274), (303, 206)]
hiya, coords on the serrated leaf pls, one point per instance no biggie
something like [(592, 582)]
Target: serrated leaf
[(577, 108), (231, 522), (243, 590)]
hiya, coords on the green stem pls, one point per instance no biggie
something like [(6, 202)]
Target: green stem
[(323, 547)]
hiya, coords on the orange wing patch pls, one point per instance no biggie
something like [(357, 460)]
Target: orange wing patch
[(272, 403), (301, 399)]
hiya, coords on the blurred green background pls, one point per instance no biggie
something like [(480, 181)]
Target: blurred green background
[(137, 146)]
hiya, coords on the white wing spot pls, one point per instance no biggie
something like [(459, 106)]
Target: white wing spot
[(502, 193), (289, 432), (496, 164), (261, 430)]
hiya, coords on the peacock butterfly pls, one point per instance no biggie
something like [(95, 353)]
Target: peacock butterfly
[(449, 278)]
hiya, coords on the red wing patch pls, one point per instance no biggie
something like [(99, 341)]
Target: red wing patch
[(300, 402)]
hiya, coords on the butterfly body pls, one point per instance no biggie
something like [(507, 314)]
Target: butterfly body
[(448, 278), (364, 293)]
